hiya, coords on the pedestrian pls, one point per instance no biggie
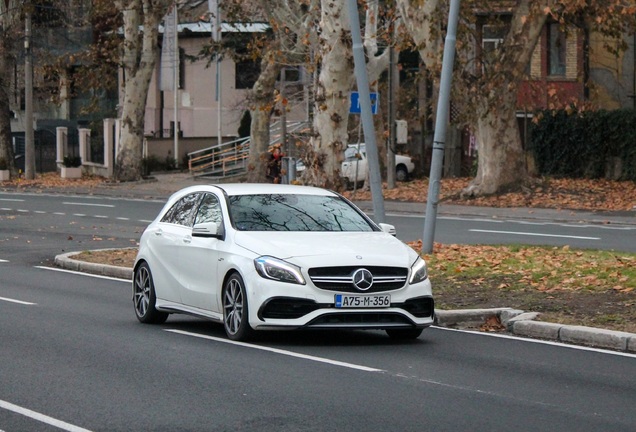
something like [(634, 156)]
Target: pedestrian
[(274, 164)]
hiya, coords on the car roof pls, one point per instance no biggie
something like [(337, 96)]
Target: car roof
[(268, 188)]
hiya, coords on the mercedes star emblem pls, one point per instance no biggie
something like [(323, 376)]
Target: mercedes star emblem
[(362, 279)]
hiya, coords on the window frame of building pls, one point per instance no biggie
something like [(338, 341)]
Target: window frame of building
[(556, 50)]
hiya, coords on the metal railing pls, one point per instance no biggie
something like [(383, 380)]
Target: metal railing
[(230, 158)]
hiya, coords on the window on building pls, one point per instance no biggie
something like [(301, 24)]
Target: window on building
[(556, 50), (182, 68), (246, 73), (492, 37)]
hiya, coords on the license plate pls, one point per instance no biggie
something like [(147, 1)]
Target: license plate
[(358, 301)]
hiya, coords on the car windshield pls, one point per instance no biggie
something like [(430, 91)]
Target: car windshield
[(287, 212)]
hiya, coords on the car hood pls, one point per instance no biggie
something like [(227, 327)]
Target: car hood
[(309, 249)]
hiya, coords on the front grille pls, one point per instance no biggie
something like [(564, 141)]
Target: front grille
[(367, 320), (341, 278)]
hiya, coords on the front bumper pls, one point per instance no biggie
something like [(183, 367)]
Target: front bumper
[(275, 305)]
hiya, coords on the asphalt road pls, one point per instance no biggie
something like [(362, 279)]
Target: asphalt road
[(107, 218), (73, 357), (72, 351)]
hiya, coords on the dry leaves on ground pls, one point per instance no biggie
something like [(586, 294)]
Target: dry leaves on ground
[(54, 180), (582, 194)]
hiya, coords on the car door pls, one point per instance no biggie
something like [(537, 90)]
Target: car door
[(168, 238), (354, 165), (199, 259)]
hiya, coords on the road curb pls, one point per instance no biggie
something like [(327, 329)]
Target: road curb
[(522, 323), (67, 262), (516, 321)]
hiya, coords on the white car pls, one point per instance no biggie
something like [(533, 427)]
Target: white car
[(263, 256), (355, 165)]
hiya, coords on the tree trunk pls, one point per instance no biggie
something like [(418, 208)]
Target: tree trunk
[(10, 21), (501, 163), (332, 98), (140, 57), (6, 62), (262, 98)]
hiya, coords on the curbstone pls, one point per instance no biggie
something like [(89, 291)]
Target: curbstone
[(467, 317), (631, 344), (595, 337), (536, 329), (66, 261)]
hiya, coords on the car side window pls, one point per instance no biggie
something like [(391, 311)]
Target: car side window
[(352, 154), (209, 210), (182, 212)]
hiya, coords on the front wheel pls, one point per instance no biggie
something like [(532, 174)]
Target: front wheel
[(144, 297), (404, 334), (401, 174), (235, 309)]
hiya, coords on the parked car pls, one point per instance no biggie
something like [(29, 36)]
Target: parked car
[(355, 167), (263, 256)]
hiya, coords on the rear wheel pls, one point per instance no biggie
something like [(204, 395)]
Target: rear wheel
[(404, 334), (401, 174), (144, 297), (235, 309)]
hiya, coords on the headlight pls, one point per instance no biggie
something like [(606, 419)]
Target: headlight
[(418, 271), (275, 269)]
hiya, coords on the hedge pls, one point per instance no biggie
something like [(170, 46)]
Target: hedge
[(589, 144)]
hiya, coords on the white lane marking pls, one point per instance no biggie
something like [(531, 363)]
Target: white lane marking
[(83, 274), (41, 417), (534, 234), (17, 301), (100, 216), (540, 341), (123, 218), (521, 222), (22, 211), (79, 214), (144, 220), (11, 199), (279, 351), (2, 261), (39, 212), (88, 204), (59, 214)]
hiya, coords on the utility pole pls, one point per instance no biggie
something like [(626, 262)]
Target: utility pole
[(29, 144), (360, 69), (390, 155), (439, 139)]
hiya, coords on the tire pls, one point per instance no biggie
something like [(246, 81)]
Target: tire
[(144, 297), (401, 174), (235, 309), (347, 184), (404, 334)]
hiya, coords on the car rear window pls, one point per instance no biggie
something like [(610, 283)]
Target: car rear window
[(285, 212)]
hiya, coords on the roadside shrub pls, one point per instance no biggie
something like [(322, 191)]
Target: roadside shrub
[(589, 144)]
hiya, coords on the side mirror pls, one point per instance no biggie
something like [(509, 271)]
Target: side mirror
[(206, 230), (389, 229)]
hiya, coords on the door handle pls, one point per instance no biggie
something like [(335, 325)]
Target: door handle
[(187, 240)]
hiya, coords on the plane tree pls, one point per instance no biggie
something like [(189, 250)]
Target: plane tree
[(11, 25), (487, 85)]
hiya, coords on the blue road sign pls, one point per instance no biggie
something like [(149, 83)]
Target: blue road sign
[(355, 103)]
